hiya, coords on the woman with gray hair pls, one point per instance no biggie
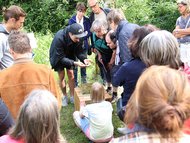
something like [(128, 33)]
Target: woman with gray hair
[(103, 52), (160, 48), (38, 120)]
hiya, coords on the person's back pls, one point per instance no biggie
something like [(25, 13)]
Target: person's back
[(124, 30), (95, 119), (159, 104), (18, 80), (100, 117), (24, 76)]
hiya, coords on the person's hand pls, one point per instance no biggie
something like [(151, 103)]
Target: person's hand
[(80, 64), (175, 33), (87, 62)]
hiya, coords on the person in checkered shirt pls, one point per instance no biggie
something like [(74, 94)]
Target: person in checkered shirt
[(159, 106)]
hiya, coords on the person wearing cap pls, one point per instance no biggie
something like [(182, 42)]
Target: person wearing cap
[(65, 48), (85, 23)]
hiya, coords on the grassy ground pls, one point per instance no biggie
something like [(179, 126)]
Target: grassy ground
[(72, 133)]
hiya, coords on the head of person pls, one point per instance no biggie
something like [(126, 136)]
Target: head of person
[(111, 39), (81, 9), (14, 16), (100, 27), (137, 37), (76, 32), (183, 6), (160, 48), (19, 43), (114, 17), (38, 119), (94, 5), (161, 101), (97, 92)]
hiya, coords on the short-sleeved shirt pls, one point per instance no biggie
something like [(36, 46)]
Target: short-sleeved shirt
[(182, 22)]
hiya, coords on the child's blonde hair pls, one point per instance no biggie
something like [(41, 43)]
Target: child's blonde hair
[(97, 92)]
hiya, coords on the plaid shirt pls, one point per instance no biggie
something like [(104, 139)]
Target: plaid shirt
[(145, 137)]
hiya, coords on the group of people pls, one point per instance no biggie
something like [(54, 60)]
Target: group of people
[(151, 64)]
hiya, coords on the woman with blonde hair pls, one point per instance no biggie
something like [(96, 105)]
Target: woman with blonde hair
[(38, 120), (160, 104), (95, 119)]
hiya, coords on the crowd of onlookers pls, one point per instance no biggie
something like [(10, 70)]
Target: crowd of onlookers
[(152, 65)]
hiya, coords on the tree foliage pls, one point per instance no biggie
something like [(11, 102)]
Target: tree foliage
[(51, 15)]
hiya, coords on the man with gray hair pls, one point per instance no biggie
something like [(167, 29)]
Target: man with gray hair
[(24, 75)]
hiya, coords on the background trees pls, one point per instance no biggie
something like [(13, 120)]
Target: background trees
[(51, 15)]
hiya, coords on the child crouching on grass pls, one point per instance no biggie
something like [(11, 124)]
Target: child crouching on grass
[(95, 119)]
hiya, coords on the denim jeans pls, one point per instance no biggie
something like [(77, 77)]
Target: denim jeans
[(82, 73)]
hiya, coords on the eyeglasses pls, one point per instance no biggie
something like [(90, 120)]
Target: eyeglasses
[(180, 6)]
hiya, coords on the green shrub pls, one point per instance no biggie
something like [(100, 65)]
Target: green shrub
[(44, 15), (164, 15), (136, 11), (41, 53)]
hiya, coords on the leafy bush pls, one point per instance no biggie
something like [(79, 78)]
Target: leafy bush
[(44, 15), (164, 15), (41, 53), (136, 11)]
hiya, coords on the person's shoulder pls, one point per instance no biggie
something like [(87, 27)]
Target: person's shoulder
[(62, 33), (8, 139), (42, 66), (106, 10), (86, 18), (72, 20), (107, 103)]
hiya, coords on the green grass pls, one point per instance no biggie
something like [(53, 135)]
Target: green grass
[(72, 133), (68, 128)]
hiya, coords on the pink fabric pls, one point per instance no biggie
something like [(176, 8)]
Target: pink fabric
[(186, 127), (186, 69), (8, 139)]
